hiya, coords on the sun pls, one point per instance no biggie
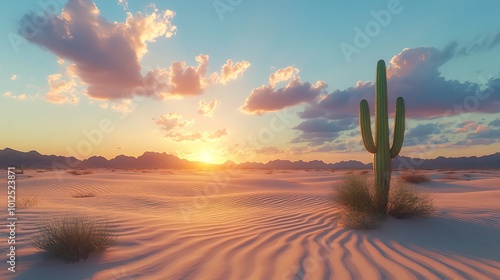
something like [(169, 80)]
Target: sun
[(206, 157)]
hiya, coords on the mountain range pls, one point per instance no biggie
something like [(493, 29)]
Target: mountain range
[(155, 160)]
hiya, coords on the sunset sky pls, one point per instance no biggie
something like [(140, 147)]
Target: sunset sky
[(246, 80)]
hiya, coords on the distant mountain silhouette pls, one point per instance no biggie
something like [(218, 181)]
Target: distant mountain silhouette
[(154, 160)]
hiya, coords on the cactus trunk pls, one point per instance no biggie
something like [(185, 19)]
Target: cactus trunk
[(382, 154)]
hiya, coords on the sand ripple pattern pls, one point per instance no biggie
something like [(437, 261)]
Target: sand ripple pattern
[(243, 232)]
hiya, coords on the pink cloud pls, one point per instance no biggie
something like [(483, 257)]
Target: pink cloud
[(180, 136), (283, 74), (218, 134), (106, 55), (207, 109), (178, 129), (414, 75), (270, 150), (62, 90), (267, 98), (466, 126), (188, 80), (171, 121), (230, 71)]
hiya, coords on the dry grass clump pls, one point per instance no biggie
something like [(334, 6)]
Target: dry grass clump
[(83, 194), (80, 172), (404, 202), (355, 197), (27, 202), (414, 177), (72, 238)]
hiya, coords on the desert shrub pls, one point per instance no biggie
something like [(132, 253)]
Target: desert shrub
[(355, 193), (270, 171), (414, 177), (72, 238), (355, 198), (80, 172), (83, 194), (404, 202), (359, 220), (27, 202)]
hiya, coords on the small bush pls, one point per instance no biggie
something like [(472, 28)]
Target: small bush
[(80, 172), (27, 202), (414, 177), (74, 237), (405, 202), (355, 198), (83, 194), (355, 194)]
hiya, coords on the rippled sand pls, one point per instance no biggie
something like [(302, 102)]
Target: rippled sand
[(247, 224)]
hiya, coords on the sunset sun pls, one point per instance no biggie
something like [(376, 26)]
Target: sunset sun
[(206, 156)]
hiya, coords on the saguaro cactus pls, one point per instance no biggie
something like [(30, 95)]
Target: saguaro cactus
[(382, 155)]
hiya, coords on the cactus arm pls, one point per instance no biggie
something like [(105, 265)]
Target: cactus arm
[(399, 127), (365, 126)]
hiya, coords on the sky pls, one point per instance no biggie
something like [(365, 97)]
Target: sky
[(246, 80)]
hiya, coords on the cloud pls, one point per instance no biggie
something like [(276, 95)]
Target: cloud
[(123, 4), (472, 142), (185, 136), (171, 121), (13, 77), (426, 134), (188, 80), (207, 109), (283, 74), (17, 97), (230, 71), (267, 98), (318, 131), (106, 54), (495, 123), (176, 127), (218, 134), (62, 90), (345, 145), (423, 130), (270, 150), (322, 125), (180, 136), (124, 106), (414, 75), (466, 126), (484, 133), (482, 43)]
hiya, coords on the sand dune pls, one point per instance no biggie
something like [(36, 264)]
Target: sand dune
[(253, 225)]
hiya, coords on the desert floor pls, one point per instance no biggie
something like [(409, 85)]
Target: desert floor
[(255, 224)]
